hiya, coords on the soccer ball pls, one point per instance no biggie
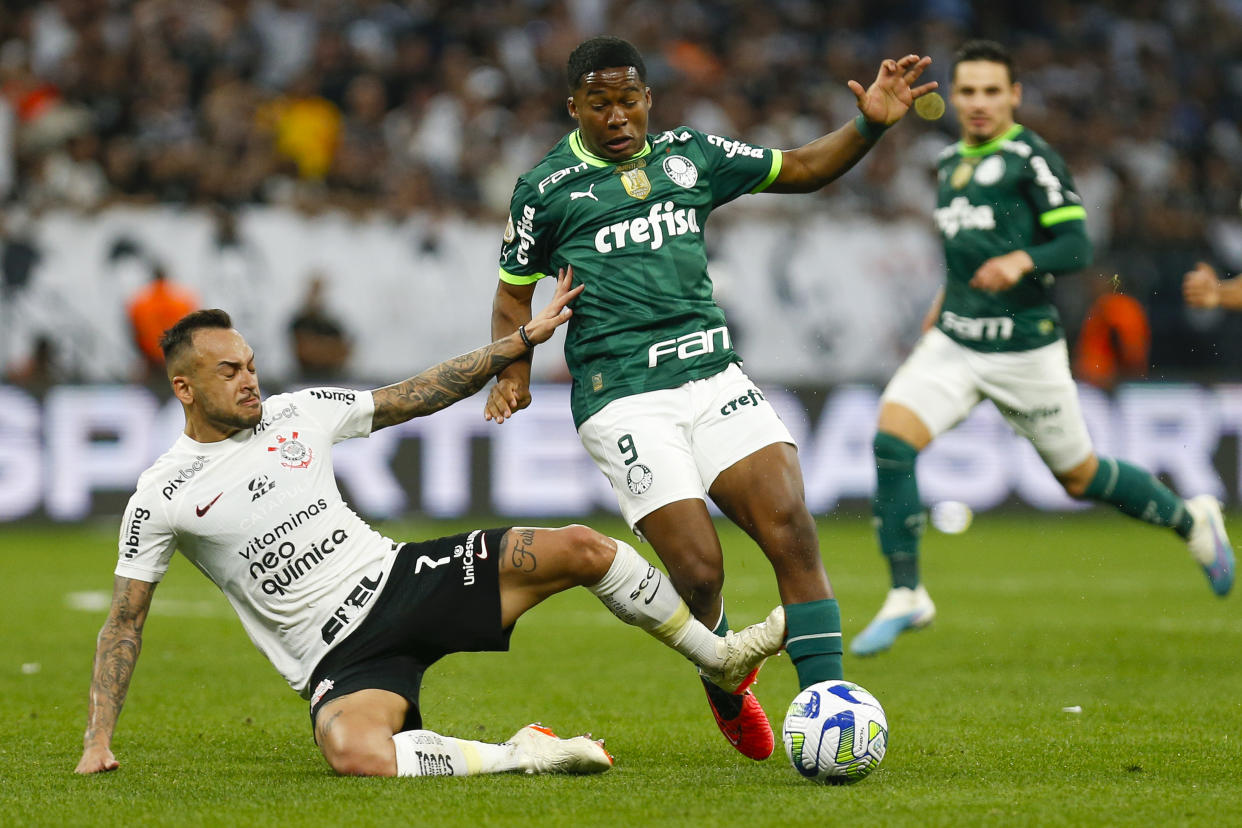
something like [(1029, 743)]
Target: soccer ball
[(835, 733)]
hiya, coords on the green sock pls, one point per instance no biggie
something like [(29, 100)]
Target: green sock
[(899, 515), (1139, 494), (813, 640)]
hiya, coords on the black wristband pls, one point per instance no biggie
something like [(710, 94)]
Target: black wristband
[(525, 338)]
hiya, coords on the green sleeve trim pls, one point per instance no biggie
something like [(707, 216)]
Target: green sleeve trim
[(778, 161), (1069, 213), (517, 279)]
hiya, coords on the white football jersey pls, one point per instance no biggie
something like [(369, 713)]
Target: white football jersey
[(260, 514)]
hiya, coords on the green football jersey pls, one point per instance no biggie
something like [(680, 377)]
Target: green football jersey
[(633, 232), (992, 199)]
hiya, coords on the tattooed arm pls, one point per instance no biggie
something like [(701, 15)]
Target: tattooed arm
[(116, 653), (442, 385)]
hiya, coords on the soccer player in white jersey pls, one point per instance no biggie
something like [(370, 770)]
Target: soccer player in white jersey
[(350, 618), (1009, 219)]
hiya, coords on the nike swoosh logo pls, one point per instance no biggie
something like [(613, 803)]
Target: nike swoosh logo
[(202, 510)]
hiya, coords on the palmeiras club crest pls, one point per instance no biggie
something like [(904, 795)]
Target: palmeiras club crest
[(293, 453)]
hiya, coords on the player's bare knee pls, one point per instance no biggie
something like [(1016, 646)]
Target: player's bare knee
[(591, 552), (354, 756), (699, 583)]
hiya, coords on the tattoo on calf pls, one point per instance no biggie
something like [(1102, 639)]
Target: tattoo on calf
[(515, 547)]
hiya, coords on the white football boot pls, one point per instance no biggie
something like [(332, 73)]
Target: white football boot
[(539, 750), (904, 609)]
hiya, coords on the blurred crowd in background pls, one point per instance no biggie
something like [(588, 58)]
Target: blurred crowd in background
[(436, 106)]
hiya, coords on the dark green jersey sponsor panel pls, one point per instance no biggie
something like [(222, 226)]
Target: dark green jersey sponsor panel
[(1012, 193), (633, 232)]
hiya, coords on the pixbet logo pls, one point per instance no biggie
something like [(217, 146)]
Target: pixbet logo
[(290, 410), (183, 476)]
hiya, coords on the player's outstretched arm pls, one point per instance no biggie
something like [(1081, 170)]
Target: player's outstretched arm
[(116, 653), (1203, 288), (455, 379), (882, 104)]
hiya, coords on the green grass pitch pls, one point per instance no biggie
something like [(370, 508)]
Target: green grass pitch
[(1037, 613)]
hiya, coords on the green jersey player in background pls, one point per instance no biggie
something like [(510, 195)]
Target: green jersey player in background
[(659, 397), (1010, 220)]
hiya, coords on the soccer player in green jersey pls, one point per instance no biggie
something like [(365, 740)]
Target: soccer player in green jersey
[(659, 397), (1009, 219)]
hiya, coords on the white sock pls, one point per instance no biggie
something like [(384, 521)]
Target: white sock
[(424, 753), (640, 594)]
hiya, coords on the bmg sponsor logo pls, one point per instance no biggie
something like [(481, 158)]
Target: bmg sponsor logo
[(183, 476), (133, 531), (335, 394)]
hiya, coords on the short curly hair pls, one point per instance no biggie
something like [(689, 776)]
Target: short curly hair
[(603, 52)]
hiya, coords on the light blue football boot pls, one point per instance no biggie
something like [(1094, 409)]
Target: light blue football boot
[(1209, 545), (904, 609)]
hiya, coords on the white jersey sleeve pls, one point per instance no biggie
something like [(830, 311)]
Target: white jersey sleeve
[(147, 542)]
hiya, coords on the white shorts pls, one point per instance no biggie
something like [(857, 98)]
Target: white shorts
[(659, 447), (942, 381)]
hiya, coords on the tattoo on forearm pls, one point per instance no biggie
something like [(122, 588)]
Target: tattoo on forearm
[(114, 667), (116, 654), (441, 385), (516, 546)]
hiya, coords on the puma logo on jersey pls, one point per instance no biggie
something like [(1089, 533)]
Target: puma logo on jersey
[(962, 215), (588, 194)]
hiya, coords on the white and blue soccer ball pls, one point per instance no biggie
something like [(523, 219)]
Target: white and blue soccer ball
[(835, 733)]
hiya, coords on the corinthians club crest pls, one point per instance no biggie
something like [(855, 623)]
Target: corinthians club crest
[(634, 179), (294, 454)]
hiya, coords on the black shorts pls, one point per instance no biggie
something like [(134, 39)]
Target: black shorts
[(442, 596)]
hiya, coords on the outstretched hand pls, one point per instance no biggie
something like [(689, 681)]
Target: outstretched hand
[(557, 312), (892, 93), (509, 396)]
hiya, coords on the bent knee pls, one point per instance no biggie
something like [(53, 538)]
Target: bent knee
[(699, 583), (590, 553), (352, 756)]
